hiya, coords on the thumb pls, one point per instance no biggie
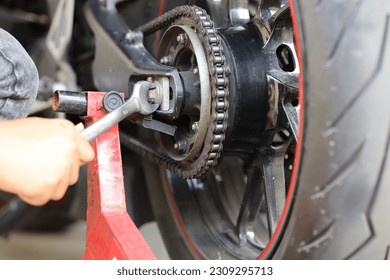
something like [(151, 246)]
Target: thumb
[(79, 127)]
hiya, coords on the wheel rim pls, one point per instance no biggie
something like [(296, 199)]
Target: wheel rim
[(227, 215)]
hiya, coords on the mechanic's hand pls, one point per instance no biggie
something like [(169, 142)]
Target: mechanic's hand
[(40, 158)]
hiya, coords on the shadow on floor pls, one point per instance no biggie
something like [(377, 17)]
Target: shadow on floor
[(67, 245)]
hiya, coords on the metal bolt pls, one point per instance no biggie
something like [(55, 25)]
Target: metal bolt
[(153, 96), (196, 71), (129, 37), (165, 60), (195, 127), (180, 146), (182, 39)]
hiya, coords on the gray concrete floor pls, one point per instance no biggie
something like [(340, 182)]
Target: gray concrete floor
[(67, 245)]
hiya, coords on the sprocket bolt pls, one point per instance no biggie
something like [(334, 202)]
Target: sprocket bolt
[(165, 60), (182, 39), (129, 37), (195, 127), (180, 146)]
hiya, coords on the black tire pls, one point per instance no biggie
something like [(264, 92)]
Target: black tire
[(340, 201), (342, 197)]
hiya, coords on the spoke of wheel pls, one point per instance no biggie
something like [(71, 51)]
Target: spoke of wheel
[(274, 183), (269, 8), (283, 71), (283, 107), (268, 12), (250, 206), (291, 109)]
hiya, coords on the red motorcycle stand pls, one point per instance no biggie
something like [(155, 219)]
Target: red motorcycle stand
[(111, 234)]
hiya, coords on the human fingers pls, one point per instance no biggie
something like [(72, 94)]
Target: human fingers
[(86, 152), (70, 177), (79, 127), (74, 172), (34, 200)]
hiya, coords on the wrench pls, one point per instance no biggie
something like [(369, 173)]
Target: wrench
[(137, 103)]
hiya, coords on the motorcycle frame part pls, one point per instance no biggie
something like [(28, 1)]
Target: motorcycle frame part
[(54, 64), (128, 60), (111, 234)]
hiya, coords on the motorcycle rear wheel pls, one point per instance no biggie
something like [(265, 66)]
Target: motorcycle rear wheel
[(337, 198)]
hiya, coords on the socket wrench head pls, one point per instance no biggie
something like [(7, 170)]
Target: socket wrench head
[(141, 94)]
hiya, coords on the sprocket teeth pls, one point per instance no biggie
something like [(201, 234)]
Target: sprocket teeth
[(219, 72)]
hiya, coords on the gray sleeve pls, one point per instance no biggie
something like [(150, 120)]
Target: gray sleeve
[(19, 78)]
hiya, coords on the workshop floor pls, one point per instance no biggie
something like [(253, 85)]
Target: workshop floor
[(68, 245)]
